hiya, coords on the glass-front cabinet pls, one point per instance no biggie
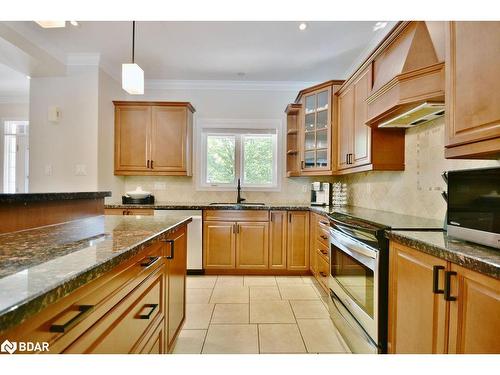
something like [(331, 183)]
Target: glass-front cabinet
[(316, 130)]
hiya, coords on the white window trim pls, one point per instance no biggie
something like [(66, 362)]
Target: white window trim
[(204, 125)]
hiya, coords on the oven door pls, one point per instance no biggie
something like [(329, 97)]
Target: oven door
[(354, 279)]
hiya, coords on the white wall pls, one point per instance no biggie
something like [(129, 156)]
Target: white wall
[(70, 142), (109, 90), (10, 111)]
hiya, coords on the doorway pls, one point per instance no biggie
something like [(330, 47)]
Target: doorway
[(16, 156)]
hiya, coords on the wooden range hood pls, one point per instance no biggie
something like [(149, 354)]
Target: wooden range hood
[(408, 72)]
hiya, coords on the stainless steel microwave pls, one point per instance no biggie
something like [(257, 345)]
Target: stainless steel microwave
[(474, 205)]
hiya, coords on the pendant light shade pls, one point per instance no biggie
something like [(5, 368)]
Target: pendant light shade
[(132, 74)]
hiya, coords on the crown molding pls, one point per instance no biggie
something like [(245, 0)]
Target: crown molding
[(161, 84)]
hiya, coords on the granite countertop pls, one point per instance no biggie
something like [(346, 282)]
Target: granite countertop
[(41, 197), (40, 266), (384, 218), (483, 259)]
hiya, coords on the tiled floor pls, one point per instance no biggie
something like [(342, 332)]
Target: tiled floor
[(256, 314)]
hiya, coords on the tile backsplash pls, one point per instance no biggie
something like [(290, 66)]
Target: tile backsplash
[(416, 190)]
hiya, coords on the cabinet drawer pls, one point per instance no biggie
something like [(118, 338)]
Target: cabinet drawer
[(323, 249), (62, 323), (323, 236), (121, 330), (323, 269), (129, 211), (236, 215)]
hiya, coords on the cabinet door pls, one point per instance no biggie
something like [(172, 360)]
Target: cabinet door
[(345, 127), (252, 245), (169, 139), (218, 245), (472, 83), (474, 315), (361, 132), (417, 316), (277, 240), (177, 264), (298, 241), (132, 138)]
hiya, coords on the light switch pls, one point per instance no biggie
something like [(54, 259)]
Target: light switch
[(80, 170), (48, 170)]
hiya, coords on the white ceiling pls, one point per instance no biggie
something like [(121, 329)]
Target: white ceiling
[(264, 51)]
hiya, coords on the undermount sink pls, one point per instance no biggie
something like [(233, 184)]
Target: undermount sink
[(236, 204)]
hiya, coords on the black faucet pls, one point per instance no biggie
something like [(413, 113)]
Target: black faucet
[(239, 199)]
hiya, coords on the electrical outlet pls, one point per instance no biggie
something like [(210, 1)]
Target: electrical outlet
[(80, 170), (160, 185), (48, 170), (304, 188)]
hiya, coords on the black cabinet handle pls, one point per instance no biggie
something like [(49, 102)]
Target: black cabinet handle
[(347, 158), (435, 280), (147, 164), (151, 164), (324, 237), (447, 285), (302, 164), (171, 242), (151, 306), (149, 262), (322, 274), (325, 223), (62, 328)]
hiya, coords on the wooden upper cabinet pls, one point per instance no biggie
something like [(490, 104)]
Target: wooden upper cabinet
[(475, 314), (298, 241), (153, 138), (316, 129), (293, 117), (472, 90), (417, 316), (252, 245), (361, 142), (345, 127), (132, 138)]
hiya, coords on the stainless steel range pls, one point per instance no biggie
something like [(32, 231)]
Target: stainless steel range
[(358, 282)]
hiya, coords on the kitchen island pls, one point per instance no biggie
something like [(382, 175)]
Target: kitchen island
[(58, 282)]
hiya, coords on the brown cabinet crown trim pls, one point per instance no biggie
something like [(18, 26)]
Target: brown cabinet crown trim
[(333, 82), (156, 104)]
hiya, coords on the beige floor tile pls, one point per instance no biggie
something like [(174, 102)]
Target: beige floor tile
[(281, 280), (231, 313), (280, 338), (264, 293), (271, 312), (309, 309), (320, 336), (230, 294), (259, 281), (302, 291), (198, 295), (232, 338), (308, 279), (190, 341), (229, 281), (319, 289), (200, 282), (198, 315)]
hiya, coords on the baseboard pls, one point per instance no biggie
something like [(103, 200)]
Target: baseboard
[(195, 272)]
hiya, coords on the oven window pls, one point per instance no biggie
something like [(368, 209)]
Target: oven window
[(355, 278)]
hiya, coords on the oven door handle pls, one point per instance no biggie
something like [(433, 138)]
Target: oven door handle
[(338, 238)]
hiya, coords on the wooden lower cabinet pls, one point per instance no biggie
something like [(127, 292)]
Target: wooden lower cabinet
[(137, 307), (129, 211), (298, 241), (219, 245), (277, 240), (475, 314), (252, 245), (176, 259), (422, 320)]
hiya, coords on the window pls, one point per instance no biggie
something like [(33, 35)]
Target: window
[(15, 168), (229, 154)]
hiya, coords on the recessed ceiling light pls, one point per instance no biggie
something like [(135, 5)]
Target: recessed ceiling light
[(303, 26), (379, 25), (74, 23), (51, 24)]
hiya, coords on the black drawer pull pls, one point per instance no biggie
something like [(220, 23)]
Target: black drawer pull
[(62, 328), (322, 274), (171, 242), (324, 237), (151, 306), (324, 252), (149, 262), (447, 286), (325, 223), (435, 280)]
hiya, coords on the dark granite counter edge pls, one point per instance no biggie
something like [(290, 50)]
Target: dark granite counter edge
[(203, 206), (461, 259), (42, 197), (24, 310)]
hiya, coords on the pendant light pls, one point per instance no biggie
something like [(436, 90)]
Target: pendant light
[(132, 74)]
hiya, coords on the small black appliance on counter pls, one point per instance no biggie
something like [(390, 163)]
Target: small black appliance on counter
[(150, 199)]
